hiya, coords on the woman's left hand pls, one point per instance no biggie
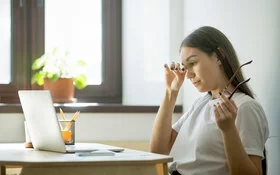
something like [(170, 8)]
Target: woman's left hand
[(225, 113)]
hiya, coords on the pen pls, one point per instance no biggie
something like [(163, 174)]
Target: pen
[(68, 126), (62, 114), (75, 116)]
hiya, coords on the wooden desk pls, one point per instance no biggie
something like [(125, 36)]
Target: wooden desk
[(127, 162)]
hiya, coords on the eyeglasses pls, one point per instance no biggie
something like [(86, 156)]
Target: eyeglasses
[(239, 84)]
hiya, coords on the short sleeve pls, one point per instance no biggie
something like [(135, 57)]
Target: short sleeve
[(252, 125)]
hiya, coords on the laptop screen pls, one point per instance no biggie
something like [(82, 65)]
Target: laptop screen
[(41, 119)]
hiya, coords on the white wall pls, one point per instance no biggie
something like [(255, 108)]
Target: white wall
[(89, 127), (253, 27)]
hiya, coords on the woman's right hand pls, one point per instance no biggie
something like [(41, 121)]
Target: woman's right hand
[(174, 77)]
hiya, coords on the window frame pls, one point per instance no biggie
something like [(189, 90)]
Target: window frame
[(27, 44)]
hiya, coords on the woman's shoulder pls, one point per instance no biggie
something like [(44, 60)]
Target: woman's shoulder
[(250, 113), (245, 101)]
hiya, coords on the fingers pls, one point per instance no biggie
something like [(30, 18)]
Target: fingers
[(178, 67), (174, 67), (229, 104), (222, 111), (226, 108)]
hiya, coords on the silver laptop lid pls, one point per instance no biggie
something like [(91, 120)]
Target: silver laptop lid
[(41, 119)]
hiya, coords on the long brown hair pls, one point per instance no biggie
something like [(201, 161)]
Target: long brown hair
[(210, 40)]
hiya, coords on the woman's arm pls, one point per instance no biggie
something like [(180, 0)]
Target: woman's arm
[(239, 162), (163, 136)]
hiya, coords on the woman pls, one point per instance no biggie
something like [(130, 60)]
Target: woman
[(217, 135)]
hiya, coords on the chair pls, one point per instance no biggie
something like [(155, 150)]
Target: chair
[(264, 163)]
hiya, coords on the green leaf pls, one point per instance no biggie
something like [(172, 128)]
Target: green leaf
[(40, 62), (80, 82), (34, 78), (38, 78), (66, 53), (40, 81), (52, 77), (81, 63), (54, 51)]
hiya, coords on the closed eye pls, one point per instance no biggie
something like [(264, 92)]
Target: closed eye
[(190, 64)]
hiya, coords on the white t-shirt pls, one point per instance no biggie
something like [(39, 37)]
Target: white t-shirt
[(199, 149)]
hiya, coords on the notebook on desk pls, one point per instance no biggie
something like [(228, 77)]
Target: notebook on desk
[(43, 125)]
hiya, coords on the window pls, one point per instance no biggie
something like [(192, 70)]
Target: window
[(81, 34), (28, 43), (5, 42)]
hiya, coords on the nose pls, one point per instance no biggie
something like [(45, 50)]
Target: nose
[(190, 74)]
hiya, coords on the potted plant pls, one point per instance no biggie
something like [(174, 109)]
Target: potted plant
[(59, 73)]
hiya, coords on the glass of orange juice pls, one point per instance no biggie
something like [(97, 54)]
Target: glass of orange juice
[(68, 131)]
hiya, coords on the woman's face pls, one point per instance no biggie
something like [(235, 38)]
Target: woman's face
[(204, 71)]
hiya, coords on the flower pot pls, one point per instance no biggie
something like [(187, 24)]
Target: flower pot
[(62, 90)]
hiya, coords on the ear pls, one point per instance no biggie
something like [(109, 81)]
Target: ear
[(216, 58)]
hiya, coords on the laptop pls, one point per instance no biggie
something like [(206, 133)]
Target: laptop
[(43, 124)]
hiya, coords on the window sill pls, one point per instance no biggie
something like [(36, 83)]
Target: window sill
[(92, 108)]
